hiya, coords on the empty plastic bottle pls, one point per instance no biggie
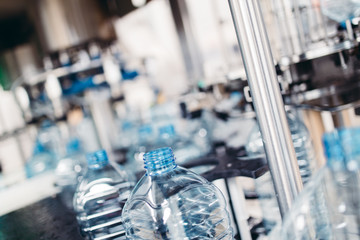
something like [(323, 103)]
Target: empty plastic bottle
[(343, 158), (145, 142), (127, 136), (170, 202), (100, 196), (40, 162), (69, 171), (340, 10), (305, 157), (185, 149), (301, 140), (49, 136), (72, 166), (198, 130), (328, 206), (48, 148)]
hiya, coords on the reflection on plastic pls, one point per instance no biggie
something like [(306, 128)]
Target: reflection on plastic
[(329, 206), (170, 202)]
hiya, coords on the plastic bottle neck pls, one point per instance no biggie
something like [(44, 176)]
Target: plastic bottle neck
[(97, 160), (167, 131), (159, 161)]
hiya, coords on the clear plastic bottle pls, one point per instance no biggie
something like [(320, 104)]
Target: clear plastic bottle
[(301, 140), (199, 130), (69, 171), (194, 136), (100, 196), (264, 187), (71, 167), (145, 142), (328, 206), (343, 158), (40, 162), (170, 202), (49, 137), (127, 135), (47, 150), (185, 149), (340, 10)]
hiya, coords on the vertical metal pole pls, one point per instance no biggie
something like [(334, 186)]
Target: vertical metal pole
[(349, 30), (189, 48), (299, 26), (264, 87), (103, 118), (323, 23), (287, 44)]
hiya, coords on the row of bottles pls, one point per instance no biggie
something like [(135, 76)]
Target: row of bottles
[(104, 188), (48, 147), (99, 187), (264, 184), (341, 11), (187, 148), (169, 202), (328, 206), (100, 197), (190, 137)]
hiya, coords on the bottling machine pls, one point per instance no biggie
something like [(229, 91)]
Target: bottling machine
[(241, 59)]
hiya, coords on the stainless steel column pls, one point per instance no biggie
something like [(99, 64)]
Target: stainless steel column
[(264, 87), (189, 48)]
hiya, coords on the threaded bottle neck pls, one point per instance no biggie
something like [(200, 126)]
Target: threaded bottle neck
[(97, 160), (159, 161)]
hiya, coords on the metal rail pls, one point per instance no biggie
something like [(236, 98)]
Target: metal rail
[(269, 107)]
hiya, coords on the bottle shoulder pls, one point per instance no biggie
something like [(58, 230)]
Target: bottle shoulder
[(179, 183), (108, 175), (177, 176)]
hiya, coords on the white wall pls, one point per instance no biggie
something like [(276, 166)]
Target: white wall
[(13, 150), (149, 32), (216, 38)]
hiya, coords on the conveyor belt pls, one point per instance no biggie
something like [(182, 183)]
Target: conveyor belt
[(47, 219)]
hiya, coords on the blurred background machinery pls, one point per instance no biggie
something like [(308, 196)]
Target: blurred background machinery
[(129, 75)]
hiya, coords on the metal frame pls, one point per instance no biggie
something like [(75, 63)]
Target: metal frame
[(269, 107), (188, 44)]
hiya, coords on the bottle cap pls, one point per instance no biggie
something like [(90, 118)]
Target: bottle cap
[(145, 130), (342, 147), (159, 161), (332, 147), (73, 146), (97, 160), (167, 131)]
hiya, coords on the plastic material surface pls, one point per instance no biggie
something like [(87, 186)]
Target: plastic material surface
[(301, 140), (305, 158), (341, 10), (39, 163), (71, 167), (99, 198), (48, 148), (69, 171), (171, 202), (328, 207)]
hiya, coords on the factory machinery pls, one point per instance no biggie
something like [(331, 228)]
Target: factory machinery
[(301, 55)]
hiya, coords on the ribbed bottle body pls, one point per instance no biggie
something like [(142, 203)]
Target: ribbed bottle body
[(99, 200), (170, 202)]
